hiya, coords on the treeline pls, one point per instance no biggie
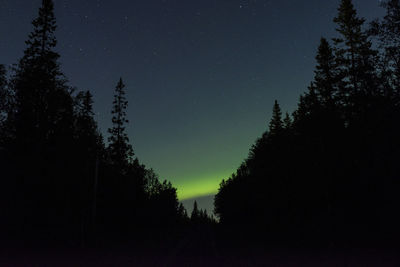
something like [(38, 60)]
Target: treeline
[(60, 183), (329, 173)]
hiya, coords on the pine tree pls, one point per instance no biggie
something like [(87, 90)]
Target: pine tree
[(287, 121), (85, 104), (42, 120), (85, 125), (276, 125), (388, 33), (43, 113), (84, 112), (43, 100), (87, 137), (326, 80), (182, 212), (121, 152), (354, 55), (195, 215)]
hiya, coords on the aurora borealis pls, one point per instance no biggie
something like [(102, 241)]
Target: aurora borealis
[(201, 76)]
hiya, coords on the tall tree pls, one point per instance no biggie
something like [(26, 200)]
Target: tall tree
[(88, 154), (43, 124), (388, 32), (355, 57), (121, 152), (342, 182), (276, 125), (326, 79), (43, 100), (85, 126)]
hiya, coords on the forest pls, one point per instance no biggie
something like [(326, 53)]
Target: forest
[(325, 175)]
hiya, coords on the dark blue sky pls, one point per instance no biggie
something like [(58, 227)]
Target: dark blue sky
[(201, 76)]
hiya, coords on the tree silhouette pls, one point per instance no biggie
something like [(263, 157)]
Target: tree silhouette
[(276, 125), (330, 177), (387, 32), (120, 150), (43, 100), (88, 154), (287, 121), (326, 80), (85, 126), (41, 139), (355, 59), (194, 216), (60, 185), (327, 176)]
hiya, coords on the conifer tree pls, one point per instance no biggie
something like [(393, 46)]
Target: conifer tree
[(324, 91), (326, 80), (43, 100), (88, 139), (287, 121), (85, 125), (388, 33), (309, 106), (276, 125), (182, 212), (85, 104), (195, 212), (43, 113), (344, 141), (354, 55), (42, 123), (120, 151), (42, 40)]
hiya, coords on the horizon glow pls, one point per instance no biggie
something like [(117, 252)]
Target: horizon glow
[(198, 186)]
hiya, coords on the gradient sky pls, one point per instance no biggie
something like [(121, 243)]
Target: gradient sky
[(201, 75)]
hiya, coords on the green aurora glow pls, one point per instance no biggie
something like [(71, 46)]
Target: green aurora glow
[(197, 166), (198, 186)]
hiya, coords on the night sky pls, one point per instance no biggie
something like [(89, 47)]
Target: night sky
[(201, 76)]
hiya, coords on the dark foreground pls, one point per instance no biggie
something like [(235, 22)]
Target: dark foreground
[(204, 248), (169, 257)]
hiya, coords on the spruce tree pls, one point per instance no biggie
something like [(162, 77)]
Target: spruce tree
[(42, 119), (182, 213), (194, 217), (326, 80), (388, 33), (87, 137), (276, 125), (85, 125), (43, 100), (120, 151), (354, 55), (309, 106), (287, 121), (43, 113)]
